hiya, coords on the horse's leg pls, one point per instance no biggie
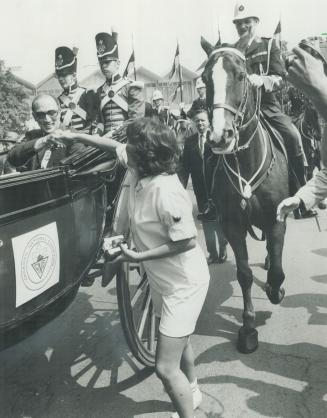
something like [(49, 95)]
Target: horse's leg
[(275, 276), (248, 335)]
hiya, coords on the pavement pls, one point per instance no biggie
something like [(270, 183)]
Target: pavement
[(80, 366)]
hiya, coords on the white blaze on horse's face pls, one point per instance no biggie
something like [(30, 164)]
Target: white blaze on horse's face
[(219, 79), (222, 119)]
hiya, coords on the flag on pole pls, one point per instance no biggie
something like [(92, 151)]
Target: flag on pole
[(278, 34), (130, 66), (179, 87), (177, 69), (176, 64)]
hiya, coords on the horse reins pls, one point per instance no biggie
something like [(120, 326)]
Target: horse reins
[(248, 189), (238, 125)]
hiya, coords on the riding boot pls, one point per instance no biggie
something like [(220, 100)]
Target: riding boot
[(299, 180), (299, 170)]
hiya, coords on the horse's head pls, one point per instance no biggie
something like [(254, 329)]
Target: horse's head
[(227, 95)]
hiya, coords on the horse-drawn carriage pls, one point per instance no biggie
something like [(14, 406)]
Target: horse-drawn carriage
[(52, 224)]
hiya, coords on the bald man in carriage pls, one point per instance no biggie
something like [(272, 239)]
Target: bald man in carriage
[(266, 69)]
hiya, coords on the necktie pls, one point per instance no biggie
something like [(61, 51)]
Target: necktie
[(202, 141)]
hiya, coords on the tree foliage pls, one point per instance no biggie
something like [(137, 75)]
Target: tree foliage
[(14, 110)]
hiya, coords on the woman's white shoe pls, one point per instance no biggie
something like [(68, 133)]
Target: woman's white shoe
[(197, 399)]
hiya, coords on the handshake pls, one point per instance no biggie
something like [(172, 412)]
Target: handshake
[(54, 140)]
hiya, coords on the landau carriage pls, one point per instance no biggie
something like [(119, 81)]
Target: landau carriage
[(52, 225)]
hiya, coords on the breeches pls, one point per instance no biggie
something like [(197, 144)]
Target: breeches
[(290, 134)]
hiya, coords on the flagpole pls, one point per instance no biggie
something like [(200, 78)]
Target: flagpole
[(134, 56), (180, 73), (281, 53)]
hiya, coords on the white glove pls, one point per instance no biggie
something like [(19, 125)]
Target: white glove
[(181, 106), (256, 80), (287, 206)]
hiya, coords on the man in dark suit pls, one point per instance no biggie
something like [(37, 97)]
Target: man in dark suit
[(39, 149), (193, 159)]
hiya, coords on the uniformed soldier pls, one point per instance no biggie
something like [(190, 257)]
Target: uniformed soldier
[(77, 105), (119, 98), (200, 103), (266, 70), (161, 111)]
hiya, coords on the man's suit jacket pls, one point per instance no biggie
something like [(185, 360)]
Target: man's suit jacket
[(25, 157), (193, 165)]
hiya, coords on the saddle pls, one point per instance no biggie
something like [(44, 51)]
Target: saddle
[(274, 135)]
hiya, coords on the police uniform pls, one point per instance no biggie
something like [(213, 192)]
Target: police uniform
[(161, 112), (76, 103), (199, 103), (164, 116), (119, 99), (264, 59)]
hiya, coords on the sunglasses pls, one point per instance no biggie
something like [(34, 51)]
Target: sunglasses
[(42, 115)]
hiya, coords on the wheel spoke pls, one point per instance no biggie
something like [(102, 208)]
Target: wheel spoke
[(152, 329), (144, 315), (140, 288)]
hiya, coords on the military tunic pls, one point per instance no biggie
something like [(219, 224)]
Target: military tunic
[(259, 61), (263, 58), (78, 109), (118, 100)]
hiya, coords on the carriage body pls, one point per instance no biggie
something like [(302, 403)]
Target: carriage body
[(44, 252), (52, 224)]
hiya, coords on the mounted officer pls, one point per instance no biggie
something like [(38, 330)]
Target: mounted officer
[(77, 105), (266, 71), (119, 99)]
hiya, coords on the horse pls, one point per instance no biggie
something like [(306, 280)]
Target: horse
[(308, 125), (248, 176)]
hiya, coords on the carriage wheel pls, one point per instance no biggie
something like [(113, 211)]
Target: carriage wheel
[(138, 320)]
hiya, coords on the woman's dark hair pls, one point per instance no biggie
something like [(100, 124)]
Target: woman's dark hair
[(156, 150)]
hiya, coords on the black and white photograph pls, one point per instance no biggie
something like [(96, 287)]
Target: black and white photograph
[(163, 209)]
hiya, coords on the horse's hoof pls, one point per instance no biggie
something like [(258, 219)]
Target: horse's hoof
[(247, 340), (274, 295), (267, 263)]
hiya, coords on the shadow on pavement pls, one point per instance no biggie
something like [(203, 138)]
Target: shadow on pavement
[(322, 278), (224, 321), (314, 303), (73, 368), (293, 382)]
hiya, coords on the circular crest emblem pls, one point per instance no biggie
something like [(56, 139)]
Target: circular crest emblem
[(101, 47), (72, 105), (38, 261), (59, 61), (241, 8), (111, 94)]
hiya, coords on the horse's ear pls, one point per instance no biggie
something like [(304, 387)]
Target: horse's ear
[(206, 46)]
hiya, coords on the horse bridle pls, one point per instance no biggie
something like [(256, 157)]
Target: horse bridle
[(238, 113)]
